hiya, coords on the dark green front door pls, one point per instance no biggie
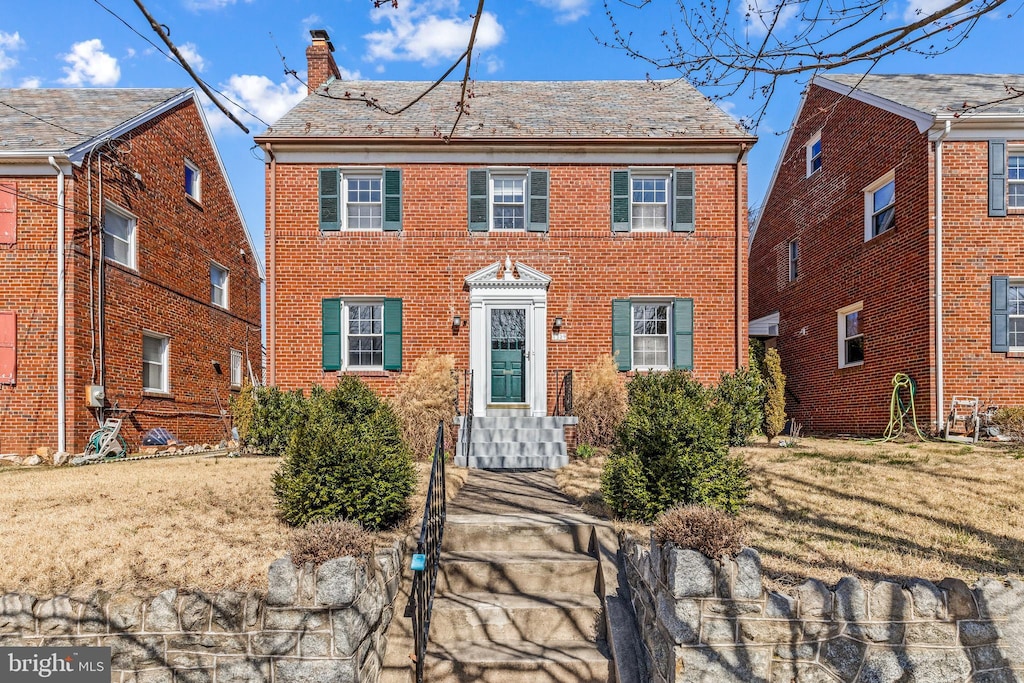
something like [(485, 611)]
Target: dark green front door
[(508, 350)]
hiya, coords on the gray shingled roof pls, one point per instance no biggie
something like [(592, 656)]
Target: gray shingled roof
[(940, 93), (59, 119), (513, 109)]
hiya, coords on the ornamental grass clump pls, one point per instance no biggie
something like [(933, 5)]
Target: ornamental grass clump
[(600, 402), (424, 398), (323, 540), (699, 527)]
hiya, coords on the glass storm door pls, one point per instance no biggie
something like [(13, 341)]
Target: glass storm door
[(508, 353)]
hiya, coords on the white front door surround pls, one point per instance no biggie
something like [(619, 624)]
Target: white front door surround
[(508, 285)]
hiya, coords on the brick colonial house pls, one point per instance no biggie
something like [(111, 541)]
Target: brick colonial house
[(890, 241), (130, 285), (563, 220)]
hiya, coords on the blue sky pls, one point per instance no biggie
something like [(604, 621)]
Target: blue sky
[(235, 45)]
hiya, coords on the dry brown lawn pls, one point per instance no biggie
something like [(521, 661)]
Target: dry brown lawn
[(828, 508), (195, 522)]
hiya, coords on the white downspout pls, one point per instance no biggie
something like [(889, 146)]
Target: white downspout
[(939, 378), (62, 444)]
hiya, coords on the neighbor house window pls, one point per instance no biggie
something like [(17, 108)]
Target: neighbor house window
[(364, 335), (814, 154), (218, 285), (154, 363), (363, 201), (508, 202), (794, 258), (236, 369), (119, 235), (880, 206), (650, 195), (193, 187), (851, 339), (651, 336), (1015, 179), (1015, 326)]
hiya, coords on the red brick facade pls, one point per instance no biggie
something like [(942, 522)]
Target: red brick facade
[(893, 274), (167, 293)]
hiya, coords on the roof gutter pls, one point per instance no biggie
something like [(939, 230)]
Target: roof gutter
[(62, 445), (490, 141), (939, 366), (272, 271)]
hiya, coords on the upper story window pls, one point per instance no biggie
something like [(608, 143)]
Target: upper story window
[(851, 339), (154, 363), (508, 201), (218, 285), (360, 199), (193, 186), (794, 259), (880, 206), (363, 202), (236, 369), (119, 235), (813, 154), (1015, 179), (650, 201)]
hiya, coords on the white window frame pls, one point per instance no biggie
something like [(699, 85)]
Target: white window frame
[(633, 304), (1012, 182), (133, 225), (649, 174), (346, 307), (869, 205), (361, 174), (793, 249), (841, 333), (235, 368), (196, 190), (811, 157), (507, 174), (165, 370), (1017, 284), (213, 288)]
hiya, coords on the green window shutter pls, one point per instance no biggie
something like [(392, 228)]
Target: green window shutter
[(682, 216), (620, 201), (478, 199), (997, 178), (1000, 313), (538, 221), (330, 199), (330, 320), (682, 334), (392, 199), (622, 333), (392, 334)]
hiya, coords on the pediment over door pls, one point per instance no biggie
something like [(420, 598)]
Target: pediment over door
[(508, 274)]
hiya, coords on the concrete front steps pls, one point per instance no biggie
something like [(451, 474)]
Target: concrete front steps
[(509, 439)]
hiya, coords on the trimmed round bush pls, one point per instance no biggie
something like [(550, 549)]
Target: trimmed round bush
[(346, 460), (701, 528)]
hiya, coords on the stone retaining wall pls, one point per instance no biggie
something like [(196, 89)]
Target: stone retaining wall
[(314, 624), (709, 620)]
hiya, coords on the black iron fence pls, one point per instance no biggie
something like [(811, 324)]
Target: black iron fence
[(466, 432), (426, 561), (563, 395)]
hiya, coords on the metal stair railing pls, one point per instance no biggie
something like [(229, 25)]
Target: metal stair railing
[(563, 397)]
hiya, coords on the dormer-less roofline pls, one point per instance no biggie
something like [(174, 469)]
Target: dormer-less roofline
[(923, 120)]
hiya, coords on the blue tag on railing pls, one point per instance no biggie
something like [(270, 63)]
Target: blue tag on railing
[(419, 562)]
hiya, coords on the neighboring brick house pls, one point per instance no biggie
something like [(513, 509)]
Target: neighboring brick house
[(159, 280), (562, 220), (844, 270)]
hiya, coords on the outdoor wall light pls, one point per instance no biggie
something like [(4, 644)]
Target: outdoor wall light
[(558, 322), (457, 321)]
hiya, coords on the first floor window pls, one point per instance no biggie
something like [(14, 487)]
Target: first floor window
[(1015, 179), (649, 202), (236, 369), (851, 339), (651, 336), (218, 285), (880, 206), (154, 362), (119, 236), (1015, 328), (364, 336), (363, 202), (508, 202)]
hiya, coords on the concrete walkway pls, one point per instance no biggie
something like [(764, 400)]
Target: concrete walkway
[(507, 493)]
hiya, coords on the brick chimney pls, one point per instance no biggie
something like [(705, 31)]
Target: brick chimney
[(319, 60)]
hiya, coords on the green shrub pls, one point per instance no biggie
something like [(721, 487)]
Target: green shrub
[(346, 460), (774, 395), (584, 451), (266, 417), (700, 528), (599, 401), (674, 444), (1010, 422), (424, 397), (743, 390)]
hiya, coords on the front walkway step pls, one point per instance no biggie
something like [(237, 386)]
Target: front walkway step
[(522, 531), (518, 661), (513, 616), (525, 571)]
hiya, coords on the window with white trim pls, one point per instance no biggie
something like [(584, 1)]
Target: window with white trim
[(794, 260), (193, 178), (651, 335), (363, 201), (1015, 179), (154, 362), (880, 206), (851, 339), (508, 201), (650, 200), (363, 334), (1015, 322), (813, 154), (119, 235), (218, 285), (236, 369)]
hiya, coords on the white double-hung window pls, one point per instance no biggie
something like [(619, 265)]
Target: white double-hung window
[(154, 362), (851, 338), (651, 335), (218, 285), (880, 206), (1015, 179), (1015, 326), (650, 198), (508, 201), (364, 334), (119, 235), (363, 201)]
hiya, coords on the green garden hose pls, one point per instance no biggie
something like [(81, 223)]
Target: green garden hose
[(898, 410)]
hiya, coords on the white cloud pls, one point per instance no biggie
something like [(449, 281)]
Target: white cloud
[(260, 95), (9, 42), (31, 82), (493, 64), (919, 9), (90, 65), (192, 56), (760, 14), (429, 31), (566, 11)]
